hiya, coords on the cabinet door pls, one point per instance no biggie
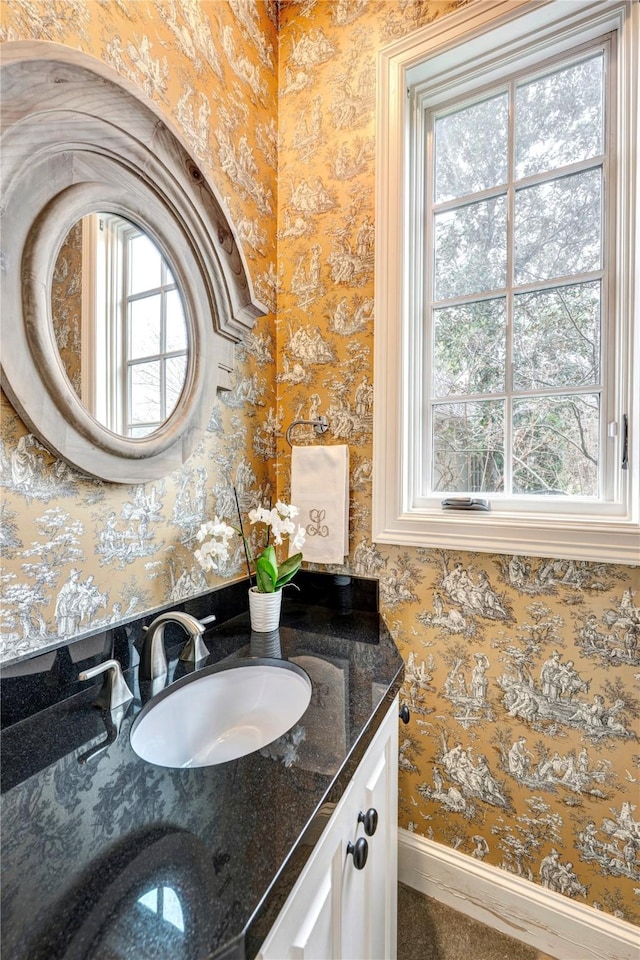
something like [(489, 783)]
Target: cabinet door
[(369, 896), (336, 912), (308, 926)]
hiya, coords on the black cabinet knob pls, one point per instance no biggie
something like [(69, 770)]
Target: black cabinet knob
[(360, 851), (370, 820), (405, 716)]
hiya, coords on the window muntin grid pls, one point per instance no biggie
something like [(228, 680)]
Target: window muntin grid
[(484, 264), (156, 337)]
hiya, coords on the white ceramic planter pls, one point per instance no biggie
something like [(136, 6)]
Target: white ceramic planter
[(264, 610)]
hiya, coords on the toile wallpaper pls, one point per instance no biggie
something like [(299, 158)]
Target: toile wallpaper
[(66, 305), (521, 672), (79, 553)]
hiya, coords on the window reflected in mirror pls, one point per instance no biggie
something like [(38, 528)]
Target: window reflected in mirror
[(164, 902), (119, 324)]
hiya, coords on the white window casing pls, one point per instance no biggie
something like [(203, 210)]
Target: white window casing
[(499, 38), (106, 317)]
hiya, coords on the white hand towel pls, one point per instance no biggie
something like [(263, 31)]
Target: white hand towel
[(320, 490)]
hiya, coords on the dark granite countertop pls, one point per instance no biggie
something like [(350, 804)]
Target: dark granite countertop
[(107, 856)]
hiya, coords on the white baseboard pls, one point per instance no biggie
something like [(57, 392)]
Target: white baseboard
[(552, 923)]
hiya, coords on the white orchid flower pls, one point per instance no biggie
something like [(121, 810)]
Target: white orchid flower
[(214, 535), (221, 529), (287, 510), (260, 515), (274, 518), (205, 559), (297, 541)]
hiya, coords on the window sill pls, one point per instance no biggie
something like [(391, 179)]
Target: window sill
[(591, 540)]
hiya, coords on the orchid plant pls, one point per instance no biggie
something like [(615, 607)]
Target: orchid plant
[(214, 537)]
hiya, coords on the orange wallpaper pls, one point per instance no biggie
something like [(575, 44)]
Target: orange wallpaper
[(521, 672), (522, 750), (119, 550), (66, 304)]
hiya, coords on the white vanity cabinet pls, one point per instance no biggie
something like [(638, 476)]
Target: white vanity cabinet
[(340, 909)]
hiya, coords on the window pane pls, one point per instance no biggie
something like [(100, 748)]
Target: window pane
[(176, 327), (175, 370), (556, 337), (145, 327), (137, 432), (559, 118), (471, 248), (471, 149), (145, 393), (144, 264), (469, 348), (555, 445), (557, 227), (468, 446)]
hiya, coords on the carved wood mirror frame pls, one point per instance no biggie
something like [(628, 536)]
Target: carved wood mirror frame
[(77, 138)]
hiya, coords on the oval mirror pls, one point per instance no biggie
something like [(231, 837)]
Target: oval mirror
[(119, 324), (114, 368)]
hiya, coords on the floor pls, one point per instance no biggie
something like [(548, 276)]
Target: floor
[(428, 930)]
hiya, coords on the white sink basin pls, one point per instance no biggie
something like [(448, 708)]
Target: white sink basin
[(221, 713)]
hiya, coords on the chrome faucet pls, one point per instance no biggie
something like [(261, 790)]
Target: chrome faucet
[(153, 660)]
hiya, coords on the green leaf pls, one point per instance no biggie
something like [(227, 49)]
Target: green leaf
[(288, 569), (292, 564), (267, 571), (264, 582), (269, 557), (283, 581)]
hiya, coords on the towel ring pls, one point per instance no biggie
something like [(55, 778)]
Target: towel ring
[(321, 425)]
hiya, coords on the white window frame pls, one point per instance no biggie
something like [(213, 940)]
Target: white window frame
[(500, 36), (106, 308), (103, 388)]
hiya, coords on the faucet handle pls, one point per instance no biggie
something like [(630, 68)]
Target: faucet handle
[(195, 648), (114, 692)]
